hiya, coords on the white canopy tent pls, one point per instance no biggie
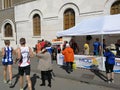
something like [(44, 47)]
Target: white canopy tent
[(109, 24)]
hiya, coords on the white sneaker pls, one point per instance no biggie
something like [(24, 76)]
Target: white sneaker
[(10, 82), (112, 81), (21, 89), (5, 81), (109, 81)]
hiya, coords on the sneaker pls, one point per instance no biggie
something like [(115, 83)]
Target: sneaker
[(49, 85), (112, 81), (42, 84), (21, 89), (68, 72), (10, 82), (71, 70), (109, 81), (5, 81)]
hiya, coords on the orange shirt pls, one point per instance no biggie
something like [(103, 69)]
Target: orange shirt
[(68, 54), (38, 46), (42, 44)]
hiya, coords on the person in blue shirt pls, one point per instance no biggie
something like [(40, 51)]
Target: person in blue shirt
[(97, 47), (49, 48), (110, 53), (7, 61)]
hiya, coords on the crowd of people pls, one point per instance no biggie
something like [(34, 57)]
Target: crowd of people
[(46, 53), (111, 52), (99, 47), (23, 54)]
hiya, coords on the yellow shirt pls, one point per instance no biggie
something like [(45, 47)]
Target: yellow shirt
[(86, 49)]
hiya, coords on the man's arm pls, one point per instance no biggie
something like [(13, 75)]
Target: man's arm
[(31, 52), (18, 53)]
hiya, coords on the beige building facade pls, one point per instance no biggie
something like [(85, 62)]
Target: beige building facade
[(38, 19)]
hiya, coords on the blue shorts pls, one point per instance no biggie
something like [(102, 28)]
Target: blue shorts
[(7, 63)]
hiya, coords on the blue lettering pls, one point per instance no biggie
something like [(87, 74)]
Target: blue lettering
[(87, 60), (117, 63)]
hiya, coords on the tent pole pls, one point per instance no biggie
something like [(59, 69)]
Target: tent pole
[(102, 45)]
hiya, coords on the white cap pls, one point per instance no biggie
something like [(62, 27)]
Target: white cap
[(67, 45), (112, 46)]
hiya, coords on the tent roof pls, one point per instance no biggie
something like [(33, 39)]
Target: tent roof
[(109, 24)]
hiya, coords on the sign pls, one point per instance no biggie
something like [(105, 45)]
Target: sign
[(90, 62), (57, 41)]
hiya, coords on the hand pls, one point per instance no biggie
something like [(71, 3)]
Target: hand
[(15, 61)]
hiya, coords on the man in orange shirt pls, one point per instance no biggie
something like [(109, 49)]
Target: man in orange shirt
[(68, 57), (38, 46), (42, 43)]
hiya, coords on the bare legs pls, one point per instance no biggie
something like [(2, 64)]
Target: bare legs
[(10, 72), (110, 77), (28, 81), (9, 67), (5, 73)]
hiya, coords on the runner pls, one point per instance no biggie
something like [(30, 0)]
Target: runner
[(23, 56), (7, 61)]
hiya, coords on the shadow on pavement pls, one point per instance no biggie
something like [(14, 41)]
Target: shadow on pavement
[(64, 68), (16, 80), (34, 80), (98, 73)]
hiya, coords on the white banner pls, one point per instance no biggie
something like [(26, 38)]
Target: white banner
[(90, 62), (117, 65)]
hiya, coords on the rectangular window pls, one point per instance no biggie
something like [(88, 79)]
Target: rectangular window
[(7, 3), (115, 8), (69, 19), (36, 26)]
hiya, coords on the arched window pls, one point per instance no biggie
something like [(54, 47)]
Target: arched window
[(69, 19), (7, 3), (8, 30), (36, 25), (115, 8)]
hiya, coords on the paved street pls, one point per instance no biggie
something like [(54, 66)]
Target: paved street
[(79, 79), (57, 84)]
